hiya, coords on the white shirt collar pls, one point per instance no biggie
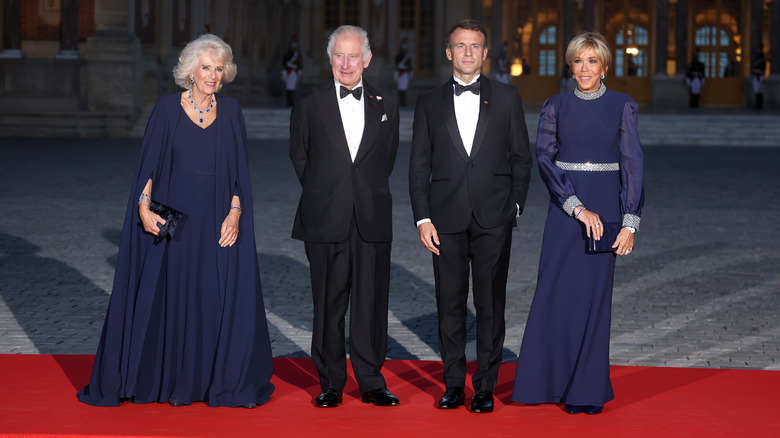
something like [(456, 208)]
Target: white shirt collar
[(463, 83), (339, 84)]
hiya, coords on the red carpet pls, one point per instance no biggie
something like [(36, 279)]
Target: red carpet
[(38, 397)]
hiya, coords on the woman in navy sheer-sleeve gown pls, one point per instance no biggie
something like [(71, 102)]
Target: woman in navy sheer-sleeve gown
[(186, 320), (590, 158)]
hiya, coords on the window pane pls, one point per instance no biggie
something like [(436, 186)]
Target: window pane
[(547, 36)]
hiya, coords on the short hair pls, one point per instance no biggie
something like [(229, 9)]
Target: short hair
[(188, 59), (592, 40), (468, 24), (355, 31)]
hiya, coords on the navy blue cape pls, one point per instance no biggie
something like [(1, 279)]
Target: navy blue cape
[(243, 361)]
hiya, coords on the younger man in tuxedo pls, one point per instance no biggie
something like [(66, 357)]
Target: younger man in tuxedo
[(468, 179)]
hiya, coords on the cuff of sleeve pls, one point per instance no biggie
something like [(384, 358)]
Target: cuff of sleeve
[(571, 204), (631, 220), (422, 221)]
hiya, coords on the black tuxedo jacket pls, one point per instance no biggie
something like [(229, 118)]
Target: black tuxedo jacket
[(449, 186), (333, 186)]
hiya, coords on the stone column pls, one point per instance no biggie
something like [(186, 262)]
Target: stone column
[(590, 16), (772, 85), (681, 39), (496, 31), (756, 20), (666, 92), (476, 10), (69, 30), (756, 50), (113, 55), (774, 49), (661, 36), (12, 30), (569, 11)]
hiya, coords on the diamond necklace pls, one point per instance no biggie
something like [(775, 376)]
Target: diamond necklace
[(590, 96), (200, 112)]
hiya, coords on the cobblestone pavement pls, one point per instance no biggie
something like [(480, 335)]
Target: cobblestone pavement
[(702, 288)]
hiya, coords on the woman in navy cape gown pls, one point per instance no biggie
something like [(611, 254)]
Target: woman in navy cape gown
[(590, 158), (186, 320)]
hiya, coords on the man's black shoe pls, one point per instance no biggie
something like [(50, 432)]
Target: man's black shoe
[(452, 398), (381, 397), (482, 402), (328, 398)]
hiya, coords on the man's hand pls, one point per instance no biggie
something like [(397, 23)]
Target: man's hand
[(429, 237)]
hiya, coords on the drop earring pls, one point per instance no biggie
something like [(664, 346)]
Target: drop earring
[(603, 76), (192, 79)]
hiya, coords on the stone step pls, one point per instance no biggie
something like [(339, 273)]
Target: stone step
[(756, 130)]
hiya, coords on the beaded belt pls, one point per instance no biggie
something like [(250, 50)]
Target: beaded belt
[(588, 167)]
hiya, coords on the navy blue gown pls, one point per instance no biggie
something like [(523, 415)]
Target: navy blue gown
[(564, 356), (186, 319)]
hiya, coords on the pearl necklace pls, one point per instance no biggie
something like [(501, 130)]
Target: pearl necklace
[(200, 112)]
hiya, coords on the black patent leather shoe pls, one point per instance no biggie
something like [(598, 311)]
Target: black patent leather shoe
[(328, 398), (482, 402), (452, 398), (592, 410), (573, 409), (381, 397)]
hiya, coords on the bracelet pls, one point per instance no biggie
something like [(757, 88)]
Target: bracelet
[(143, 196), (578, 213), (237, 208)]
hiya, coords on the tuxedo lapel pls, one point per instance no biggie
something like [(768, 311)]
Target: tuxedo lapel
[(448, 104), (328, 108), (373, 110), (484, 114)]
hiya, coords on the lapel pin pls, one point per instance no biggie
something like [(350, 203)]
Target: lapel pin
[(486, 101)]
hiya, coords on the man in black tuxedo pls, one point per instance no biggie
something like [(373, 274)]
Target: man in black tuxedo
[(343, 143), (468, 179)]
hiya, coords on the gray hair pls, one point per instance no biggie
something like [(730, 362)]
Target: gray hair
[(352, 31), (188, 59)]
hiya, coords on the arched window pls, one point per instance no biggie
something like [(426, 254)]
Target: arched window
[(712, 45), (631, 47), (547, 51)]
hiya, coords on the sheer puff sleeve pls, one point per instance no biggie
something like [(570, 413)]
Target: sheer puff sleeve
[(558, 184), (632, 194)]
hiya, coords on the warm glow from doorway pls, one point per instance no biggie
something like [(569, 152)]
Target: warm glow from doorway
[(517, 67)]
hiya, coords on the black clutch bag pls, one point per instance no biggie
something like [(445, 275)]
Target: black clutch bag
[(608, 237), (171, 217)]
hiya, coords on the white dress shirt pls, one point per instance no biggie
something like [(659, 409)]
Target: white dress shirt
[(467, 114), (353, 117)]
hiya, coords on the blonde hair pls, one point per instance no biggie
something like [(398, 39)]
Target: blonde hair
[(219, 50), (592, 40)]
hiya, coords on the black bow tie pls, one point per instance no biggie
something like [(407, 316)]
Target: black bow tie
[(459, 89), (357, 92)]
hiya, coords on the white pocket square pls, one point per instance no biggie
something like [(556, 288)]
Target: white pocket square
[(384, 117)]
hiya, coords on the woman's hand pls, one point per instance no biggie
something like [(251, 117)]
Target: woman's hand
[(149, 218), (229, 231), (592, 222), (624, 242)]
